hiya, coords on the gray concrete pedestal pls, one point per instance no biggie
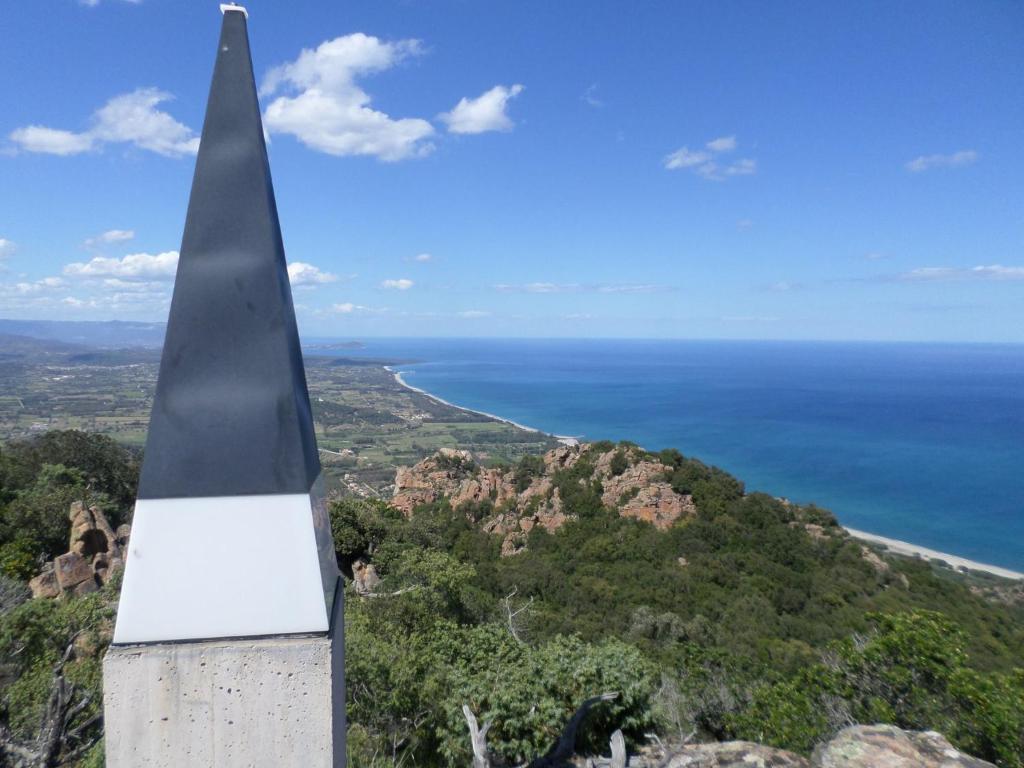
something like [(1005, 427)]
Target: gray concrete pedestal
[(274, 702)]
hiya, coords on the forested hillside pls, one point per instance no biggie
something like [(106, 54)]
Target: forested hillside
[(713, 613)]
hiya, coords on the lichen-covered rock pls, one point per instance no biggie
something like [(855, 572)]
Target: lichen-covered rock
[(734, 754), (885, 746)]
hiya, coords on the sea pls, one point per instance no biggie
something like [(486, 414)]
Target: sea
[(918, 442)]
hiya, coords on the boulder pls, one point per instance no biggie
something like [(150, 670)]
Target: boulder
[(734, 754), (45, 584), (885, 746), (72, 569)]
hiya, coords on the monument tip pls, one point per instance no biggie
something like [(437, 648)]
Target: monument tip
[(225, 7)]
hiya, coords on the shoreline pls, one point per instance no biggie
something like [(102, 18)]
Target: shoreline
[(563, 439), (893, 546), (955, 562)]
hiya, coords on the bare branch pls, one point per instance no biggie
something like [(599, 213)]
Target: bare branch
[(478, 737), (513, 613), (396, 593)]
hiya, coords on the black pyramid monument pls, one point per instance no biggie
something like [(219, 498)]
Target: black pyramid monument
[(231, 450), (231, 415)]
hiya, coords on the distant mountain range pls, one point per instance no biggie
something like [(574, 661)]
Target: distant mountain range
[(105, 334), (119, 334)]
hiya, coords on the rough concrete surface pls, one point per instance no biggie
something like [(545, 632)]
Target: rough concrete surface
[(258, 703)]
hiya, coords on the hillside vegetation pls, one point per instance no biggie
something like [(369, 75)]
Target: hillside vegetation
[(521, 590)]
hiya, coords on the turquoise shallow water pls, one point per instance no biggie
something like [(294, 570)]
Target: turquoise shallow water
[(920, 442)]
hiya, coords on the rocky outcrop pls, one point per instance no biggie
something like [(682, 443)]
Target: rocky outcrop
[(734, 754), (95, 553), (513, 506), (365, 579), (642, 492), (859, 746), (885, 746)]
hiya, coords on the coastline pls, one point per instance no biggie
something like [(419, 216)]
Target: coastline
[(906, 549), (563, 439), (893, 546)]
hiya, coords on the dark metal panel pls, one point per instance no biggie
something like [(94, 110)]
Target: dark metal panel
[(231, 414)]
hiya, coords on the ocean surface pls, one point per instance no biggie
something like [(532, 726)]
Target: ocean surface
[(919, 442)]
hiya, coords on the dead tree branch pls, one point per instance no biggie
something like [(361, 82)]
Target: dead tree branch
[(513, 614), (58, 741), (478, 737)]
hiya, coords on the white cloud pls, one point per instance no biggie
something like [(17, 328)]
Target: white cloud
[(25, 288), (94, 3), (130, 118), (472, 314), (722, 144), (110, 236), (745, 167), (324, 108), (686, 158), (589, 96), (51, 141), (540, 287), (484, 113), (301, 273), (422, 257), (955, 160), (135, 266), (707, 162), (401, 284), (6, 248), (349, 308), (995, 272)]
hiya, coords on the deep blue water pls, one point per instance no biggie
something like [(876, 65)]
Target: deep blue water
[(920, 442)]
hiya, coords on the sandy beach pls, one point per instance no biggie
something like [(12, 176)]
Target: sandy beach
[(564, 439), (913, 550), (895, 546)]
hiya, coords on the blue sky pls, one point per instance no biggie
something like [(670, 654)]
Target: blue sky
[(453, 168)]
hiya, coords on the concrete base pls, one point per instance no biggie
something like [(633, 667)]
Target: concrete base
[(257, 703)]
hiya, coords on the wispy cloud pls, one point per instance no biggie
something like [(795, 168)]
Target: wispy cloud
[(131, 118), (487, 112), (400, 284), (110, 237), (423, 258), (954, 160), (94, 3), (589, 97), (473, 314), (302, 274), (6, 248), (996, 272), (350, 308), (541, 287), (323, 106), (784, 286), (709, 163)]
